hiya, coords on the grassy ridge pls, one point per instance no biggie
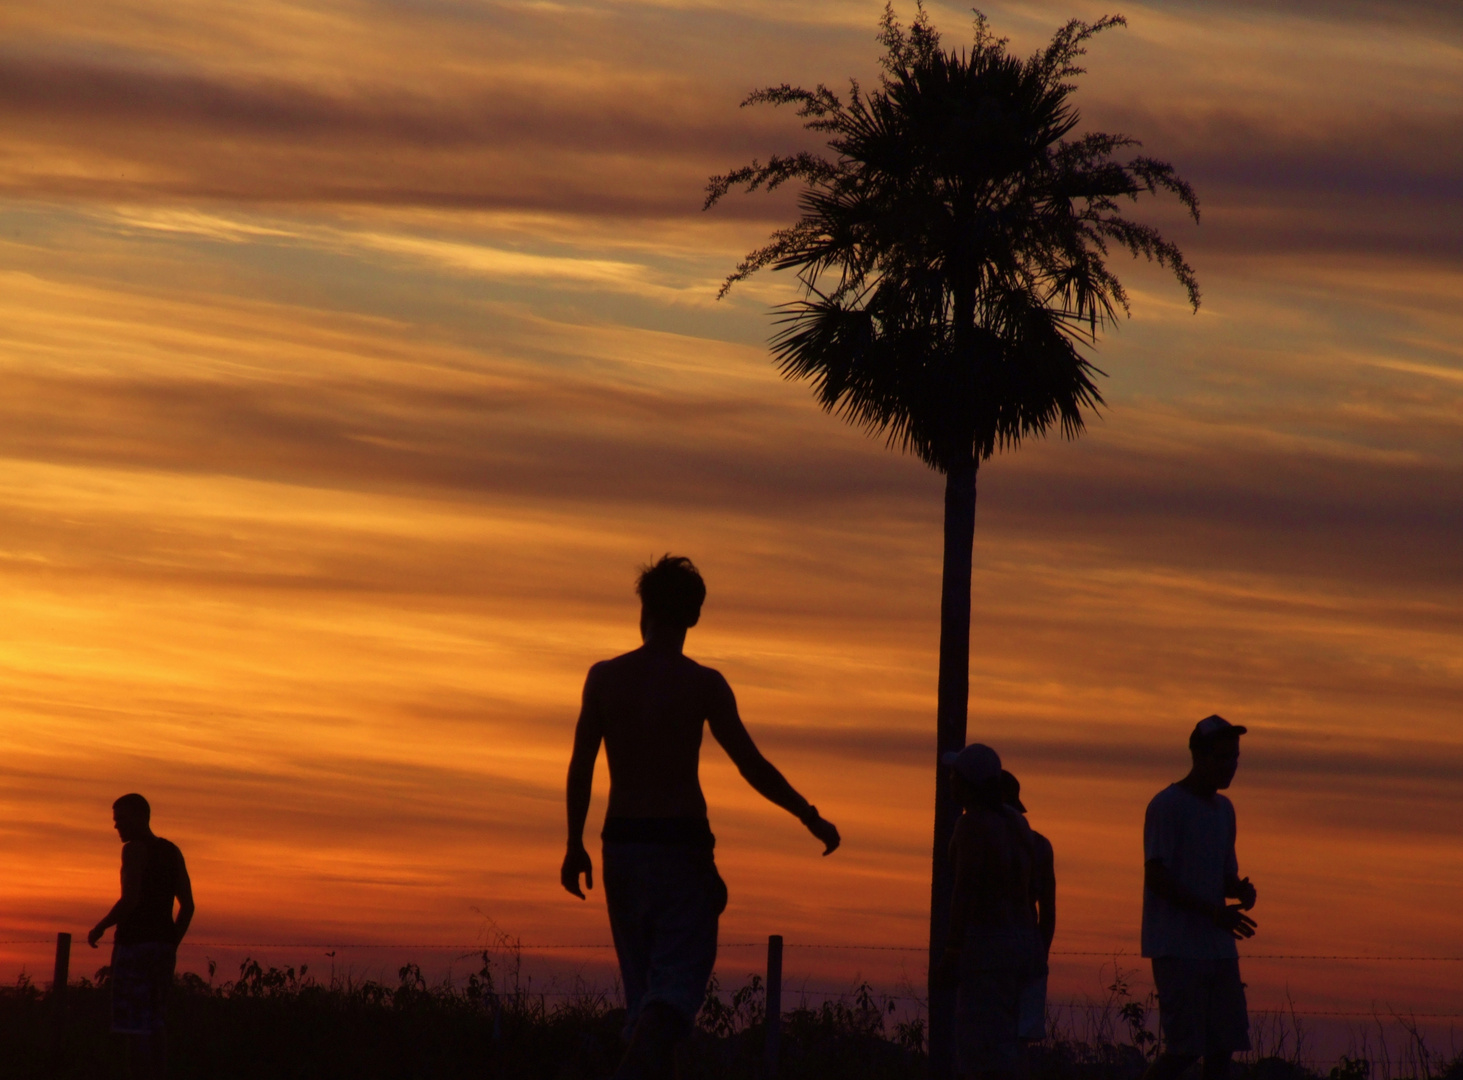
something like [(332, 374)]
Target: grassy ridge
[(282, 1023)]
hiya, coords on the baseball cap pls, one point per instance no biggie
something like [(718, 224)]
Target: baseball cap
[(1011, 791), (1214, 727), (978, 763)]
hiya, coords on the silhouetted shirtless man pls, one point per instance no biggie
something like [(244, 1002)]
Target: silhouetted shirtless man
[(145, 946), (1188, 930), (661, 886), (994, 949)]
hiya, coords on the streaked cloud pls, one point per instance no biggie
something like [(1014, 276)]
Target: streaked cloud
[(355, 354), (1361, 155)]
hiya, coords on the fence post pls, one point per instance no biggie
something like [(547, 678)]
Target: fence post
[(774, 1005), (60, 974), (63, 966)]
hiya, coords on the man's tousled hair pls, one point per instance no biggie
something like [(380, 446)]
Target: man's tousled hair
[(671, 589), (133, 805)]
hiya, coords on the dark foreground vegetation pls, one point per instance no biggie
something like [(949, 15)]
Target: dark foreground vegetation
[(284, 1024)]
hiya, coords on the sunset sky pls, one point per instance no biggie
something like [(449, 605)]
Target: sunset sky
[(356, 353)]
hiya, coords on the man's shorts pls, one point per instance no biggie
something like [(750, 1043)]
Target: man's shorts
[(142, 975), (664, 903), (1032, 1025), (1201, 1006)]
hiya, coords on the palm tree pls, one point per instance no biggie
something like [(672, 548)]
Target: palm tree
[(952, 262)]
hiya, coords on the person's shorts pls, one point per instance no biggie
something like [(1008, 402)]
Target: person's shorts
[(142, 975), (1032, 1025), (1201, 1006), (664, 904), (988, 1019), (996, 964)]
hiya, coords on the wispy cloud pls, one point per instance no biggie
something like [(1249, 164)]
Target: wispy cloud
[(356, 354), (1362, 155), (193, 222), (1431, 371)]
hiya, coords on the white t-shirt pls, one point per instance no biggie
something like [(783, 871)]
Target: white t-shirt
[(1194, 838)]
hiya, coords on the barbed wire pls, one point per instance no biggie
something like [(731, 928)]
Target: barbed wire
[(1087, 1006), (480, 946), (829, 992)]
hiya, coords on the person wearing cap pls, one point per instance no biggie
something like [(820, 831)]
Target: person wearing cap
[(1032, 1026), (1189, 931), (993, 950)]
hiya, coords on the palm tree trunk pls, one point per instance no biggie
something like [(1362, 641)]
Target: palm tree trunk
[(954, 696)]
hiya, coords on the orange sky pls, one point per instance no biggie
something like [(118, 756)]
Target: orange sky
[(356, 353)]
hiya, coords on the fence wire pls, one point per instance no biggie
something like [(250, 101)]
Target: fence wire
[(790, 987), (479, 946)]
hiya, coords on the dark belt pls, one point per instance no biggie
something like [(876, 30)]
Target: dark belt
[(658, 830)]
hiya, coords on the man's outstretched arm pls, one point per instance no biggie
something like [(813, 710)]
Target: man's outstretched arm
[(588, 733), (727, 728)]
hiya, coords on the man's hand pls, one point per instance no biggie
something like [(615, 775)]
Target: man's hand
[(1232, 919), (1245, 892), (576, 862), (825, 831), (95, 934)]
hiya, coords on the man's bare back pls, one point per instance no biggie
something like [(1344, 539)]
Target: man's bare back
[(649, 706)]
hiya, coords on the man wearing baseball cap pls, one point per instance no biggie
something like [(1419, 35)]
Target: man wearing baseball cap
[(993, 949), (1189, 931)]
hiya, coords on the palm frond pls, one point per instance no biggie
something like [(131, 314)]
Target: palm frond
[(953, 248)]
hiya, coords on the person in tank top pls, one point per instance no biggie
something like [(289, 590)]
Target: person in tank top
[(145, 945)]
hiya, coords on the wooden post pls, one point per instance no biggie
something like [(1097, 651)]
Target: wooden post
[(63, 966), (774, 1005), (60, 974)]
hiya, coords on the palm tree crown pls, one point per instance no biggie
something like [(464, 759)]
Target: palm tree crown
[(952, 256)]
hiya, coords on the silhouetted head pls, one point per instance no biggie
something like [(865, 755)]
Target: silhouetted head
[(1214, 745), (671, 594), (132, 817), (1011, 791), (976, 773)]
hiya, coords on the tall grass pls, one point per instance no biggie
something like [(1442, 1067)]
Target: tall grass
[(284, 1023)]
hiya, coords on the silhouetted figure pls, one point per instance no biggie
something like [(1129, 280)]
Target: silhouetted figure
[(1188, 930), (994, 949), (1044, 897), (661, 886), (145, 946)]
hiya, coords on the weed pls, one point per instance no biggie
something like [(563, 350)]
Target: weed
[(283, 1023)]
